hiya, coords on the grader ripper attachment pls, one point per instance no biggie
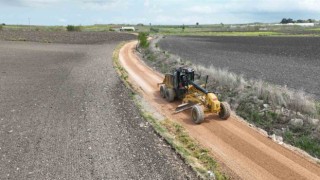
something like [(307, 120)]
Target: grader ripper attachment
[(180, 84)]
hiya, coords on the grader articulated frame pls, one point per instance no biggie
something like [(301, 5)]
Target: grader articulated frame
[(180, 85)]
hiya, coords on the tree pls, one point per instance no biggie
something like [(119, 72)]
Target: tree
[(143, 39), (300, 21), (197, 24), (290, 20), (286, 21), (311, 20), (183, 27)]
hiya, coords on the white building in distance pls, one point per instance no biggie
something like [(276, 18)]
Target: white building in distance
[(127, 29)]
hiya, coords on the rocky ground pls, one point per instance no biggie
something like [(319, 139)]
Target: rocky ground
[(291, 61), (64, 114)]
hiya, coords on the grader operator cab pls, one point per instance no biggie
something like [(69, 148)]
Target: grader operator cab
[(180, 84)]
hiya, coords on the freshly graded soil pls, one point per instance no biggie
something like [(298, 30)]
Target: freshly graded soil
[(291, 61), (65, 114)]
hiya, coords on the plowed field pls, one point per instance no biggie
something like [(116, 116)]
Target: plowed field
[(291, 61)]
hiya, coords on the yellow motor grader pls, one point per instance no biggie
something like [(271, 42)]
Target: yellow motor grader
[(180, 85)]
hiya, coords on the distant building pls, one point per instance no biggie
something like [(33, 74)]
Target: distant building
[(127, 29)]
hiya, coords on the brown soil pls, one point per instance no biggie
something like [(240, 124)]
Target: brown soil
[(243, 151)]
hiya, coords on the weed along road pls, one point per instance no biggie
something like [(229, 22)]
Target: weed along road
[(65, 114), (241, 150)]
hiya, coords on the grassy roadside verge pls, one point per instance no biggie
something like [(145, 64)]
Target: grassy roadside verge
[(174, 134)]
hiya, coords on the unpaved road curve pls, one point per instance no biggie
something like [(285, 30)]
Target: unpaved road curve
[(246, 153)]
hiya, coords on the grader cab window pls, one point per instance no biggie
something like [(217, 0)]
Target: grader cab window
[(190, 76)]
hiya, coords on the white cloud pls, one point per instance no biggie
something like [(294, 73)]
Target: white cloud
[(62, 20), (201, 9), (31, 3), (310, 5), (146, 3), (253, 6), (105, 4)]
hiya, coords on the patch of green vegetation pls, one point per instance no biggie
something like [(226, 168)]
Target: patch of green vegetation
[(305, 142), (314, 29), (1, 27), (154, 30), (151, 57), (35, 28), (97, 28), (201, 154), (193, 153), (251, 112), (74, 28), (164, 68), (143, 39)]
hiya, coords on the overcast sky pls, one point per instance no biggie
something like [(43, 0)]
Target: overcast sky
[(63, 12)]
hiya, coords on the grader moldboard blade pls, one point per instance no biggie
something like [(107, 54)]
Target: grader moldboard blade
[(185, 106)]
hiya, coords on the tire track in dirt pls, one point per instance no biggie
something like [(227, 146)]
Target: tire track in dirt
[(245, 152)]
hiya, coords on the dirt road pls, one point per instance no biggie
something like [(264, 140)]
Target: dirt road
[(65, 114), (244, 152)]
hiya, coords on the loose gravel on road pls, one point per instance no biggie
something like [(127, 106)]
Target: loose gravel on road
[(291, 61), (64, 114)]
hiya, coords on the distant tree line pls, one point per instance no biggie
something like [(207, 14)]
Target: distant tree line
[(289, 20)]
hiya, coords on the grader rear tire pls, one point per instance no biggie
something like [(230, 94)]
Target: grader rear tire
[(170, 94), (163, 91), (225, 110), (197, 114)]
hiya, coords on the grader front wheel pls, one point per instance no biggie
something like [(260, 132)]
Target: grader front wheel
[(197, 114), (170, 94), (224, 110)]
